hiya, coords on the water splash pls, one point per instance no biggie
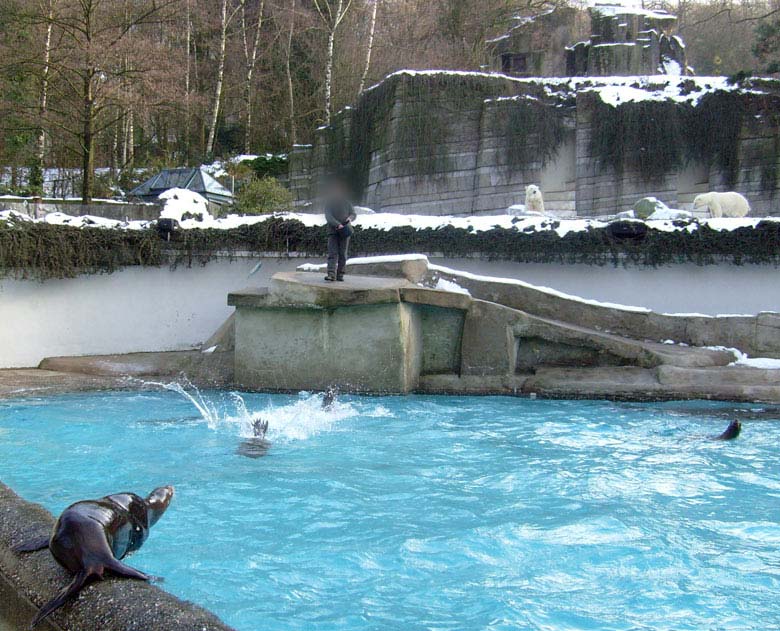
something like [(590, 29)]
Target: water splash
[(208, 410), (299, 420)]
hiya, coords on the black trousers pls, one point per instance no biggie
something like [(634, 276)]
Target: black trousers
[(338, 247)]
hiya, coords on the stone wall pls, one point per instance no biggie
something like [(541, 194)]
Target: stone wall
[(108, 210), (466, 170)]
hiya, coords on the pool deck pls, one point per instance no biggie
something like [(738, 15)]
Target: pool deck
[(27, 382)]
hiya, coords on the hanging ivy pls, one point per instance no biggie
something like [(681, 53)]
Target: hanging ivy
[(655, 138), (43, 251), (533, 131)]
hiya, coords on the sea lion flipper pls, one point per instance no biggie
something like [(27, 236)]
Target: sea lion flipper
[(60, 599), (120, 569), (32, 545)]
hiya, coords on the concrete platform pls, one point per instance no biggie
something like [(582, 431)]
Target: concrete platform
[(388, 335)]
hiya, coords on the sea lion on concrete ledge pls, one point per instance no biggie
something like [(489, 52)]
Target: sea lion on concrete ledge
[(732, 431), (92, 536)]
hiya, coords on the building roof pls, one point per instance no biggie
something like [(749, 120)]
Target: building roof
[(191, 178)]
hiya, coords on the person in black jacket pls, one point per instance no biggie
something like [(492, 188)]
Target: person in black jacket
[(339, 213)]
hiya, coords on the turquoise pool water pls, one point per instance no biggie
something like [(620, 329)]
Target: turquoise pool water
[(430, 512)]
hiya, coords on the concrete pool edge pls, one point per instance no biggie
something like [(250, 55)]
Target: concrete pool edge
[(109, 605)]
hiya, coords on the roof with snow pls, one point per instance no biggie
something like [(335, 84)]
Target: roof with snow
[(190, 178)]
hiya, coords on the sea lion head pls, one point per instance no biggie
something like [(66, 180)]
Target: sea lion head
[(157, 502)]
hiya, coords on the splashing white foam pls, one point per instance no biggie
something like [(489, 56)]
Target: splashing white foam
[(296, 421), (190, 392)]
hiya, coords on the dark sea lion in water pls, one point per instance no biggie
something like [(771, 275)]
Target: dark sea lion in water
[(732, 431), (258, 446), (92, 536), (328, 399)]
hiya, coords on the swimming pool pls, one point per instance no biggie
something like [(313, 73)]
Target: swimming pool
[(429, 512)]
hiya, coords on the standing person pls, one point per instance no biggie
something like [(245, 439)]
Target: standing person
[(339, 213)]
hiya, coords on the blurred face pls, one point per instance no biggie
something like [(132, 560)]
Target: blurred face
[(337, 189), (158, 501)]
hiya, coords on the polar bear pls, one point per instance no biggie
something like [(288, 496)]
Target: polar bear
[(533, 199), (723, 204)]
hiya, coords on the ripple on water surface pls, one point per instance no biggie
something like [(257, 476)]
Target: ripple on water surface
[(429, 512)]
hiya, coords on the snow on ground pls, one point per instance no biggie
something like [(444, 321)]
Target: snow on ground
[(613, 90), (742, 359), (767, 363), (191, 211)]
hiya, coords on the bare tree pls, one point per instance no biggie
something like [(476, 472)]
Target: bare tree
[(369, 46), (227, 13), (288, 72), (332, 14), (44, 90), (250, 47), (93, 43)]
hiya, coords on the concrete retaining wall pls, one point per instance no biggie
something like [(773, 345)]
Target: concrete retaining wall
[(156, 309), (472, 174), (30, 580), (120, 212)]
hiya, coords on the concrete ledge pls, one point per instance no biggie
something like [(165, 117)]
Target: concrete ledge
[(309, 290), (436, 298), (209, 369), (110, 605), (249, 297)]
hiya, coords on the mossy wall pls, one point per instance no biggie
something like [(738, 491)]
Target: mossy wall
[(450, 143)]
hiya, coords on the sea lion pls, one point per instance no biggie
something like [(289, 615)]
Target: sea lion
[(258, 446), (732, 431), (92, 536), (328, 399)]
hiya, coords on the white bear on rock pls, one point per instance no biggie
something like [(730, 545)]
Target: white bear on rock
[(533, 199), (723, 204)]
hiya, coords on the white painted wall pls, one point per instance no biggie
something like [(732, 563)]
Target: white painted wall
[(154, 309), (135, 309), (711, 289)]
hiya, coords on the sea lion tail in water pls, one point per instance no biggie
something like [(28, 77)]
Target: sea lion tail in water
[(732, 431), (91, 536), (260, 428)]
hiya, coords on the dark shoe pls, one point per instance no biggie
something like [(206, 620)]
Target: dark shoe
[(340, 278), (330, 278)]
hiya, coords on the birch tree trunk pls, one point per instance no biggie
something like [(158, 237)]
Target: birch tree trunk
[(329, 73), (223, 26), (369, 48), (187, 82), (44, 96), (332, 22), (290, 90)]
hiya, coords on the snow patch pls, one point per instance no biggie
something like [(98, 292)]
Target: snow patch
[(448, 285), (546, 290), (189, 208)]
